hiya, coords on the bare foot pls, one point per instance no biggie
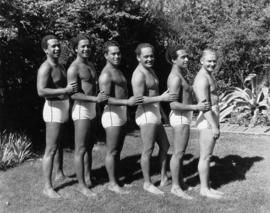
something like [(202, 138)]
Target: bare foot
[(86, 192), (180, 193), (216, 191), (184, 186), (164, 182), (117, 189), (49, 192), (88, 182), (60, 177), (152, 189), (209, 194)]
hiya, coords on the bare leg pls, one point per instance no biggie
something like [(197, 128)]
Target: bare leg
[(114, 143), (180, 140), (88, 166), (164, 145), (148, 135), (58, 159), (52, 137), (82, 128), (88, 157), (207, 144)]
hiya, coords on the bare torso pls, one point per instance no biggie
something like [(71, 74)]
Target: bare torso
[(57, 78), (211, 85), (118, 81), (86, 76), (151, 87), (184, 90)]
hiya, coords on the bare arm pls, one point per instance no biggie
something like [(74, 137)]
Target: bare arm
[(72, 76), (43, 76), (138, 87), (105, 84), (202, 92), (174, 85)]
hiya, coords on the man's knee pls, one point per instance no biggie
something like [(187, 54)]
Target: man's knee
[(81, 150), (112, 152), (206, 157), (146, 153), (50, 150), (178, 155)]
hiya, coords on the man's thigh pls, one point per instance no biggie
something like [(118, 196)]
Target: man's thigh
[(114, 137), (207, 142), (82, 129)]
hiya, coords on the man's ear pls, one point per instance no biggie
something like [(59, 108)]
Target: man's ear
[(138, 58)]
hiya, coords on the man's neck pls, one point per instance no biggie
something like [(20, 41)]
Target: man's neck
[(111, 66), (53, 61), (82, 60)]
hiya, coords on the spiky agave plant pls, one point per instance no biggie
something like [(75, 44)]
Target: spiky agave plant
[(15, 148), (253, 99)]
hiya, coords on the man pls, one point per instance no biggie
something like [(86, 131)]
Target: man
[(51, 84), (114, 84), (145, 83), (181, 115), (83, 72), (205, 89)]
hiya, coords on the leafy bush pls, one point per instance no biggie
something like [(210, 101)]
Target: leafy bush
[(15, 148)]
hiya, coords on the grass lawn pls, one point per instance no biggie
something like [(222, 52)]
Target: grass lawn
[(240, 168)]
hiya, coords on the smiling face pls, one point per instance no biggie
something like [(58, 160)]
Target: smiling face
[(113, 55), (84, 48), (53, 48), (182, 59), (209, 61), (146, 58)]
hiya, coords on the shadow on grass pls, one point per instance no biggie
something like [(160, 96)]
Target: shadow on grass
[(225, 170)]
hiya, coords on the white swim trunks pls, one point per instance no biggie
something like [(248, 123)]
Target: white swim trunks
[(114, 116), (83, 110), (180, 117), (148, 114), (56, 111), (201, 121)]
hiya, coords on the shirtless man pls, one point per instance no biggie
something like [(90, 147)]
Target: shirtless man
[(145, 83), (205, 89), (83, 72), (181, 115), (114, 84), (52, 85)]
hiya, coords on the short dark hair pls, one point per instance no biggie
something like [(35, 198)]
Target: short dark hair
[(75, 41), (44, 41), (171, 53), (143, 45), (107, 44)]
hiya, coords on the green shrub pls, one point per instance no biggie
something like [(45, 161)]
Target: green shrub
[(15, 148)]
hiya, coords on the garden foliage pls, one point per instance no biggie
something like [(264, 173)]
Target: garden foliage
[(15, 148), (237, 29)]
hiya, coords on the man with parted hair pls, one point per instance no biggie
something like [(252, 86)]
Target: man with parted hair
[(180, 115), (83, 72), (145, 83), (52, 85), (205, 88), (114, 84)]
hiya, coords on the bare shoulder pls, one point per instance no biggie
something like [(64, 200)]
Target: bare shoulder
[(173, 79), (105, 76), (44, 68), (138, 75), (200, 80)]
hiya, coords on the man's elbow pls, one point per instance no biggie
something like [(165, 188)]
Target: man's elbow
[(41, 93), (173, 106)]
